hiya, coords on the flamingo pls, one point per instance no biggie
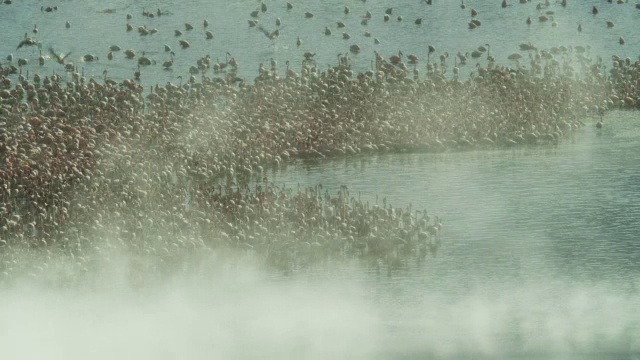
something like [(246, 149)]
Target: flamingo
[(27, 41), (167, 64), (143, 60), (430, 51), (59, 58), (396, 59)]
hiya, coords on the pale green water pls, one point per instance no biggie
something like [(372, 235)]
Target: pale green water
[(541, 250), (444, 26), (539, 261)]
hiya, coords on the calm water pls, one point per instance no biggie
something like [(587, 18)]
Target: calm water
[(444, 26), (540, 255), (539, 261)]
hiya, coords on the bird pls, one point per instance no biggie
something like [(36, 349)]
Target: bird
[(579, 27), (143, 60), (67, 25), (271, 35), (89, 58), (621, 40), (308, 14), (609, 24), (27, 41), (209, 35), (418, 21), (59, 58), (298, 42), (594, 10), (515, 57), (431, 50), (396, 59), (184, 43)]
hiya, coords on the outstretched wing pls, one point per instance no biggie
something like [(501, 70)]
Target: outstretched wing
[(53, 53), (263, 30)]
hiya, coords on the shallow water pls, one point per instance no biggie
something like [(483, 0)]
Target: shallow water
[(540, 255), (540, 248), (539, 261), (444, 26)]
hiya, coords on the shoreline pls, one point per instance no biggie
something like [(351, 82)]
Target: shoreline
[(84, 150)]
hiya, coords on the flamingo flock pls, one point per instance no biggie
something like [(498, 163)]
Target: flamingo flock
[(173, 169)]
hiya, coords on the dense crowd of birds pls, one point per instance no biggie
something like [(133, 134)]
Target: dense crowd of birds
[(91, 165)]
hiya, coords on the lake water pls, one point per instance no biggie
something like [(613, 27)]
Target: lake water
[(541, 252), (444, 26), (539, 261), (540, 249)]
